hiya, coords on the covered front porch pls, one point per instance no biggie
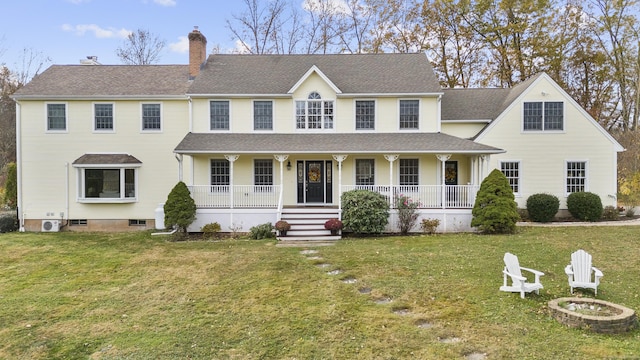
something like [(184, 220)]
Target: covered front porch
[(253, 185)]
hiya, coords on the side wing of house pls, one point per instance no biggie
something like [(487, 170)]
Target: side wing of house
[(552, 145), (91, 156)]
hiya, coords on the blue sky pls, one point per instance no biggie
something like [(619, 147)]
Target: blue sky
[(69, 30)]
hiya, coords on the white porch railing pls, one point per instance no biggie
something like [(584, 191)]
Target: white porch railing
[(269, 196), (428, 196), (235, 196)]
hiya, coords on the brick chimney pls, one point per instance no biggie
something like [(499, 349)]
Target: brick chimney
[(197, 52)]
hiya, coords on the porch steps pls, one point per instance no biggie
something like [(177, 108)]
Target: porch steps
[(307, 224)]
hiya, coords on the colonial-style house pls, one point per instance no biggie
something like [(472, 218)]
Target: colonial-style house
[(259, 138)]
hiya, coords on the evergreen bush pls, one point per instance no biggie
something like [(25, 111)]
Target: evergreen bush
[(585, 206), (179, 209), (11, 186), (8, 222), (495, 210), (542, 207), (364, 212)]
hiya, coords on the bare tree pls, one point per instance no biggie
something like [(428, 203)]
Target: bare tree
[(141, 48), (258, 26)]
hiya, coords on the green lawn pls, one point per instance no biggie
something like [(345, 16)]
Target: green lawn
[(137, 296)]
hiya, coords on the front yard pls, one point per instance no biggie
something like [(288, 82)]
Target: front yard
[(137, 296)]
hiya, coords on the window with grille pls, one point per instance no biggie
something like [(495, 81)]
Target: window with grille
[(365, 172), (263, 115), (365, 114), (103, 117), (511, 170), (56, 117), (543, 116), (409, 174), (314, 113), (219, 115), (151, 118), (263, 174), (219, 172), (409, 114), (576, 176)]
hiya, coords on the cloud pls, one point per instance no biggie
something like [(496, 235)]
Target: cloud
[(181, 46), (97, 31), (165, 2)]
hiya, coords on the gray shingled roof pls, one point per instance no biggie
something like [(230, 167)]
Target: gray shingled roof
[(97, 81), (480, 104), (352, 74), (106, 159), (329, 143)]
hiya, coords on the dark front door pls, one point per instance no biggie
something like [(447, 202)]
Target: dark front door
[(315, 182)]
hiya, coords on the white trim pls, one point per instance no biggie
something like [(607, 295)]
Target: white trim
[(314, 69), (113, 118), (567, 98), (382, 95), (520, 177), (419, 114), (273, 115), (375, 115), (586, 174), (81, 182), (543, 130), (46, 117), (471, 121), (228, 120), (151, 131)]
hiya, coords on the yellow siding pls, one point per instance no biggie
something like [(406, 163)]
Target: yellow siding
[(47, 158), (542, 156)]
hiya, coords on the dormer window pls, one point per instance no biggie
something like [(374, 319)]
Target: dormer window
[(314, 113)]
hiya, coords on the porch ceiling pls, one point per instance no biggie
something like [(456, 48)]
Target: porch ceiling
[(330, 143)]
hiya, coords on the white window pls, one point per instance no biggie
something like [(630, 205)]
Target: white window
[(220, 172), (365, 172), (151, 117), (103, 117), (263, 115), (511, 170), (576, 176), (409, 114), (263, 174), (108, 184), (365, 114), (409, 170), (543, 116), (314, 113), (57, 117), (219, 115)]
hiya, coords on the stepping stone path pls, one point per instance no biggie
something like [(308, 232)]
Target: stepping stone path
[(423, 324)]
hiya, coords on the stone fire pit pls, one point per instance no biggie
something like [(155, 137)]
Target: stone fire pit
[(593, 314)]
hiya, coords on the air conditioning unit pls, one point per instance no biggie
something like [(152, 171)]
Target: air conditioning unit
[(50, 225)]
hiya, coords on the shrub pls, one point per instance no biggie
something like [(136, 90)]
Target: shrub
[(542, 207), (179, 209), (11, 186), (630, 212), (210, 230), (263, 231), (610, 213), (407, 213), (585, 206), (364, 211), (8, 222), (429, 225), (495, 210)]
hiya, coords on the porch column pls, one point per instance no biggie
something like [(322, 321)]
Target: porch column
[(281, 158), (339, 159), (483, 168), (231, 159), (443, 158), (391, 158)]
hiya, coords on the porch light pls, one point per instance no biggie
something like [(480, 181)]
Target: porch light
[(289, 165)]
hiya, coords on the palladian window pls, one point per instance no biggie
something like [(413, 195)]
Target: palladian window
[(314, 113)]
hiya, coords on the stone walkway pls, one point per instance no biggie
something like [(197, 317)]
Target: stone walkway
[(330, 270)]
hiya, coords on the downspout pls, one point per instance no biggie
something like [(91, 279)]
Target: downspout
[(19, 166), (439, 129), (66, 194), (190, 113), (179, 158)]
